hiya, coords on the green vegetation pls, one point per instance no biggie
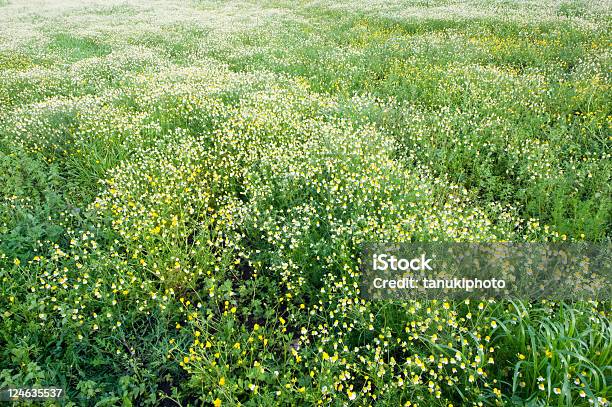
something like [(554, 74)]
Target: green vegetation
[(184, 187)]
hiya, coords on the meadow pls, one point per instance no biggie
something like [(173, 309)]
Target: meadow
[(185, 186)]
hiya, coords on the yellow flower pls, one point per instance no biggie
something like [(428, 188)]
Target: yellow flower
[(217, 402), (222, 381)]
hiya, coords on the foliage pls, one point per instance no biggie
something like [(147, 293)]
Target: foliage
[(184, 190)]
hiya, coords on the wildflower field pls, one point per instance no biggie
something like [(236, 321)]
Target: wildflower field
[(185, 186)]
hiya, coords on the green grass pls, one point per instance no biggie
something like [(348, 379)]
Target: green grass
[(73, 48), (185, 188)]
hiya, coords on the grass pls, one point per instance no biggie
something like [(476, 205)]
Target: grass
[(74, 48), (185, 188)]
